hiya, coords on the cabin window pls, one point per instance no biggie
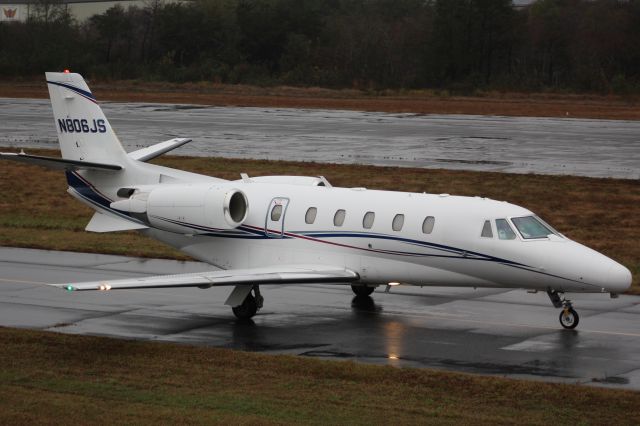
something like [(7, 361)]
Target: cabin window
[(427, 224), (367, 220), (310, 217), (397, 223), (504, 230), (486, 230), (276, 212), (338, 218), (530, 227)]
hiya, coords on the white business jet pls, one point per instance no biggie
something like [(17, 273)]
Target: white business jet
[(298, 230)]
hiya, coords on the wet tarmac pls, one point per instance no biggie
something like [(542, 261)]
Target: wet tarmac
[(599, 148), (490, 331)]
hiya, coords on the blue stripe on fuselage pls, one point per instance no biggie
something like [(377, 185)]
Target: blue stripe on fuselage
[(86, 190), (465, 253), (90, 193)]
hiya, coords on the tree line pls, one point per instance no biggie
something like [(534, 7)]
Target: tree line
[(459, 45)]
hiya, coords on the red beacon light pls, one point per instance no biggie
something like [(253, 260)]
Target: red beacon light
[(66, 71)]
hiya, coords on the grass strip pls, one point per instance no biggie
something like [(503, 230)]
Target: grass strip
[(56, 378), (604, 214)]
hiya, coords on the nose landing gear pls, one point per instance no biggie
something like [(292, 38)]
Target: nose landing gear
[(569, 318)]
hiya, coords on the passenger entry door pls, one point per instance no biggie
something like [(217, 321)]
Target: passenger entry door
[(274, 222)]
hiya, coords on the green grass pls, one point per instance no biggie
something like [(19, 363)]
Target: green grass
[(602, 213), (55, 378)]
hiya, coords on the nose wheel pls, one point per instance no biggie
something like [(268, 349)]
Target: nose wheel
[(569, 318)]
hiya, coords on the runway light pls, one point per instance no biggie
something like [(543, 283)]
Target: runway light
[(66, 71), (394, 357), (392, 283), (69, 287)]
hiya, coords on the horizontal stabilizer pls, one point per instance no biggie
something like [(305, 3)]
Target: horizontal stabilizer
[(101, 222), (153, 151), (57, 163), (292, 274)]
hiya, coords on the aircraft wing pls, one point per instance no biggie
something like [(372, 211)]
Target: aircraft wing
[(293, 274)]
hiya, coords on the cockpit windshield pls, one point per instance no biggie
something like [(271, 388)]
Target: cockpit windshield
[(531, 227)]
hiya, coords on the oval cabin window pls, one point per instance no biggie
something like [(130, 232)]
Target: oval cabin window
[(427, 225), (310, 217), (367, 220), (276, 213), (398, 222)]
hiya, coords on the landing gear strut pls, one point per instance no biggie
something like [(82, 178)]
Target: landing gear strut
[(362, 290), (250, 306), (569, 318)]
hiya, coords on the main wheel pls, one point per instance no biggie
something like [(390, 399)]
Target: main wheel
[(569, 318), (362, 290), (248, 308)]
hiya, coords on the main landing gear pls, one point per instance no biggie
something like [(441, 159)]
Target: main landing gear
[(253, 300), (569, 318), (250, 306), (362, 290)]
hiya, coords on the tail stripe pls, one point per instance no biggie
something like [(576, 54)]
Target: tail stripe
[(77, 90)]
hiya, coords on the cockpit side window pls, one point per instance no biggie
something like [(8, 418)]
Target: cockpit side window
[(504, 230), (487, 232), (530, 227)]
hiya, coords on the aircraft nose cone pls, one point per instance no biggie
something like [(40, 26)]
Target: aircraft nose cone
[(618, 278)]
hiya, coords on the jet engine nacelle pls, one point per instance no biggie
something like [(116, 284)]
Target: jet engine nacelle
[(196, 209)]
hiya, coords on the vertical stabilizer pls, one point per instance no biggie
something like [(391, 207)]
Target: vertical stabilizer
[(84, 132)]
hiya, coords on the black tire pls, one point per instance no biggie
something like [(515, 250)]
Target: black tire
[(569, 319), (248, 308), (362, 290)]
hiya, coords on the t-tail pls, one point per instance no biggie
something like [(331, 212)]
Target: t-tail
[(99, 171), (88, 142), (84, 132)]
